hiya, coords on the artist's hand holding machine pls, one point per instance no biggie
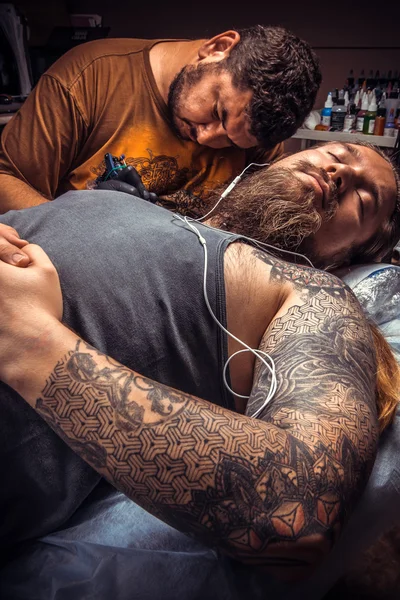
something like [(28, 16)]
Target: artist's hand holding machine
[(120, 177)]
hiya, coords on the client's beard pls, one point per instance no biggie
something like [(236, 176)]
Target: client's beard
[(274, 206)]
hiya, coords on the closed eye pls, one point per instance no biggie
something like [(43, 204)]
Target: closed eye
[(334, 156), (215, 114), (361, 205)]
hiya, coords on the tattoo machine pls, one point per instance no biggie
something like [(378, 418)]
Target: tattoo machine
[(114, 164)]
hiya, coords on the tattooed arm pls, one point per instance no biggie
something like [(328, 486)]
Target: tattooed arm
[(272, 492)]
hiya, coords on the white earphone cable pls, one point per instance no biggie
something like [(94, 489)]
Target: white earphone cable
[(257, 353), (260, 354)]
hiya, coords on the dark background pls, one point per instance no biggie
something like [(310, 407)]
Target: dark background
[(355, 34), (346, 35)]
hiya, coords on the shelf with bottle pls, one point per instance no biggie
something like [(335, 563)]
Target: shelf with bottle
[(307, 136), (371, 112)]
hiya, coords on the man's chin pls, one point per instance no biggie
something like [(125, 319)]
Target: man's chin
[(176, 126), (181, 132)]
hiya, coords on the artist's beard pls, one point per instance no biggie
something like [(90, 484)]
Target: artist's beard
[(189, 76), (276, 207)]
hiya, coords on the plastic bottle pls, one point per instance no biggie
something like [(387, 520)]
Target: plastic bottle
[(390, 129), (380, 121), (350, 119), (361, 114), (338, 115), (391, 106), (327, 112), (397, 119), (369, 119)]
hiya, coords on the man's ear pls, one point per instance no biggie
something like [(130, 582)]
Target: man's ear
[(218, 47)]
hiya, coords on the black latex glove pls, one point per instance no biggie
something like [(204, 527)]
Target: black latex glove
[(128, 180)]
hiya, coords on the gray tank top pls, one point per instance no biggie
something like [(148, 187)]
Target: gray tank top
[(131, 276)]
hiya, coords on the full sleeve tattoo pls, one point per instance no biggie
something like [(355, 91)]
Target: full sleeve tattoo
[(249, 486)]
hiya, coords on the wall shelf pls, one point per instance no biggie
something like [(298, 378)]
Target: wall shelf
[(310, 135)]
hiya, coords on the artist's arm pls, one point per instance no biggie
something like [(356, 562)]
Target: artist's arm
[(16, 193), (272, 492), (39, 145)]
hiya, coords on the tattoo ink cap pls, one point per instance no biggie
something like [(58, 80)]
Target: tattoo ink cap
[(326, 112), (361, 114)]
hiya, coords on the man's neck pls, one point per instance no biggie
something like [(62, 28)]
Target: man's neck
[(167, 59)]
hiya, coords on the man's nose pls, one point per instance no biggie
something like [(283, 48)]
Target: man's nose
[(341, 175), (211, 133)]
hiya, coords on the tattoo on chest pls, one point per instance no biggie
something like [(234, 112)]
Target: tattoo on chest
[(306, 280)]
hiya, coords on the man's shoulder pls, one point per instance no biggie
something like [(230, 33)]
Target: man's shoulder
[(299, 282), (74, 63)]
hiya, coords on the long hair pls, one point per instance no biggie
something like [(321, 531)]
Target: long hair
[(387, 379), (376, 572)]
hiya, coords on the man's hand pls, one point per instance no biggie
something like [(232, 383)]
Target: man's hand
[(128, 180), (30, 304), (11, 247)]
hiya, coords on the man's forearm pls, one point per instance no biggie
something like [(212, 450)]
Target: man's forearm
[(16, 194), (170, 452), (193, 464)]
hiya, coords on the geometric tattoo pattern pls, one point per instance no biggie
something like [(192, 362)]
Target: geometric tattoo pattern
[(261, 489)]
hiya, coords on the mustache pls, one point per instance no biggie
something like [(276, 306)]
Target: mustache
[(277, 206), (331, 200)]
